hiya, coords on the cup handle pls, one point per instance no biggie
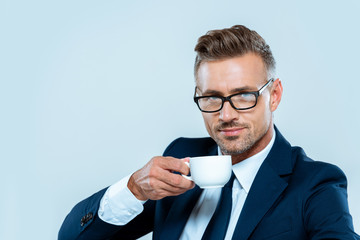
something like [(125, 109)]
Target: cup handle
[(187, 177)]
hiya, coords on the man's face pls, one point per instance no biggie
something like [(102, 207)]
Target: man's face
[(236, 131)]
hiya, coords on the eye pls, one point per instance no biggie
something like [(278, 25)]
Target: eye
[(243, 97), (213, 98), (210, 100)]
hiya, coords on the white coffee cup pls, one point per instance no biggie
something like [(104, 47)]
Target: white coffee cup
[(210, 171)]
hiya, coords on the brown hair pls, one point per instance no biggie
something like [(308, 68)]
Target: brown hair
[(232, 42)]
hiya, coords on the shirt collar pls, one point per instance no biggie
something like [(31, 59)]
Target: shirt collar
[(245, 171)]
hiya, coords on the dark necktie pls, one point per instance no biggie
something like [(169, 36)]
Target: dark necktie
[(217, 227)]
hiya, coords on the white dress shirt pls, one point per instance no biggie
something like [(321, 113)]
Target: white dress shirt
[(119, 206), (245, 172)]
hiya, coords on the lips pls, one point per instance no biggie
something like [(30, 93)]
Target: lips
[(231, 131)]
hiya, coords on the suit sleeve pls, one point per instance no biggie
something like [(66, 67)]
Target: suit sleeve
[(326, 211), (83, 222), (83, 218)]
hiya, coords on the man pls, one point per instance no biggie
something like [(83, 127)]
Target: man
[(278, 192)]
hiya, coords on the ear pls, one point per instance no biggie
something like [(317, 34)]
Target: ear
[(276, 93)]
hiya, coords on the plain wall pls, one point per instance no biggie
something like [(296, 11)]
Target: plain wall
[(91, 90)]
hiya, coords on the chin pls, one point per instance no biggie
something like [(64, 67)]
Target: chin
[(234, 151), (233, 148)]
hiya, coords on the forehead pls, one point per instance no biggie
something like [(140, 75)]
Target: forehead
[(247, 71)]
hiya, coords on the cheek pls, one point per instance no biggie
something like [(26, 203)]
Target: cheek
[(209, 121), (261, 117)]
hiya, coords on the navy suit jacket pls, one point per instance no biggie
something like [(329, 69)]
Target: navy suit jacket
[(292, 197)]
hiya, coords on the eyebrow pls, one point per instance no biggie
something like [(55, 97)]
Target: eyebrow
[(232, 91)]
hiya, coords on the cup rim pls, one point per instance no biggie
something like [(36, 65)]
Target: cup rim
[(212, 157)]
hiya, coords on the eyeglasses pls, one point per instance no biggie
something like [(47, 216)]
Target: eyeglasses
[(239, 101)]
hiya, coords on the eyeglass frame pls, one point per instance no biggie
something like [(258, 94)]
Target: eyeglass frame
[(228, 98)]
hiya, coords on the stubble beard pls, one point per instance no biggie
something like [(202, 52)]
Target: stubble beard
[(235, 145)]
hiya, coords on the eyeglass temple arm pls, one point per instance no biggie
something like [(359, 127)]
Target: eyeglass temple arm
[(265, 86)]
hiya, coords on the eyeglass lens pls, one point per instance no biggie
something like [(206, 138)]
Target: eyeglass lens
[(240, 101)]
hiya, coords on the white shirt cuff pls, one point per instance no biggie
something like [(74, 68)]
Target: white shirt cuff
[(119, 206)]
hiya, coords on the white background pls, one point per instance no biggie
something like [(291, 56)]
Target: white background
[(91, 90)]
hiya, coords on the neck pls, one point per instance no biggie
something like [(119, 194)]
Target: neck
[(256, 148)]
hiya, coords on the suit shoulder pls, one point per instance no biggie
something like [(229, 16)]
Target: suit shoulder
[(189, 147), (315, 170)]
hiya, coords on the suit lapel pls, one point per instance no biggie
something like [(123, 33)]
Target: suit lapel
[(179, 214), (266, 188), (182, 208), (264, 192)]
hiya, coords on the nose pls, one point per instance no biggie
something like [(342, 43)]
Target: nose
[(228, 113)]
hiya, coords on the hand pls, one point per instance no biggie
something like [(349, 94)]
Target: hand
[(156, 179)]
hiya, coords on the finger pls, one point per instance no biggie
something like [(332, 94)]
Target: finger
[(174, 164), (161, 189), (163, 192), (174, 180)]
